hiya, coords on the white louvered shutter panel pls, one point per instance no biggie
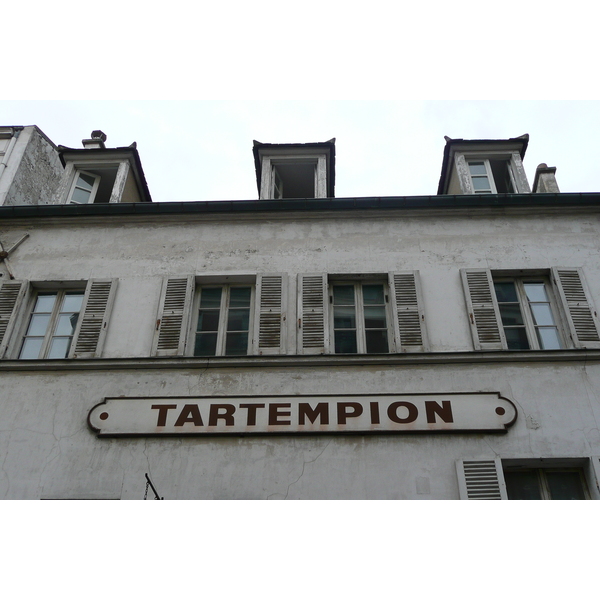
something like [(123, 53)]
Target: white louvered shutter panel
[(581, 316), (593, 477), (407, 302), (92, 324), (484, 315), (11, 296), (270, 315), (481, 480), (312, 313), (173, 316)]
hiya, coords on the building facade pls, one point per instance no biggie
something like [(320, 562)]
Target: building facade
[(298, 345)]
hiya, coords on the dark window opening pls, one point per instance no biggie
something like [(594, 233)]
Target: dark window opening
[(545, 484), (294, 180), (501, 173)]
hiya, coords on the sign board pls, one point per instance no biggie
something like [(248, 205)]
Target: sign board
[(360, 413)]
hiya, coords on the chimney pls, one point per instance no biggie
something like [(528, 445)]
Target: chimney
[(96, 142), (545, 181)]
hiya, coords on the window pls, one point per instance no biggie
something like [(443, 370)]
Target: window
[(223, 321), (491, 176), (294, 179), (52, 324), (545, 484), (527, 315), (360, 319), (84, 188), (97, 184), (541, 311), (204, 316), (526, 479)]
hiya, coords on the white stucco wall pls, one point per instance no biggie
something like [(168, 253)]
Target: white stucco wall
[(49, 451)]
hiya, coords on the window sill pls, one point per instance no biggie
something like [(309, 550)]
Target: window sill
[(297, 361)]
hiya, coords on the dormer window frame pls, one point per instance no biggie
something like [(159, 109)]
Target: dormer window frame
[(272, 189), (75, 186), (463, 161)]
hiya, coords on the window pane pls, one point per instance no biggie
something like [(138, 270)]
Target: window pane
[(344, 317), (85, 181), (239, 296), (44, 303), (542, 315), (80, 196), (481, 183), (375, 317), (373, 294), (376, 342), (38, 325), (536, 292), (206, 344), (31, 348), (511, 314), (236, 344), (66, 324), (522, 485), (548, 338), (343, 294), (210, 298), (59, 347), (517, 339), (505, 291), (565, 485), (477, 168), (72, 302), (345, 342), (208, 320), (238, 319)]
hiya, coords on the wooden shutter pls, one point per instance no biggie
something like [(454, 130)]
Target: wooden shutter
[(481, 480), (270, 314), (580, 314), (409, 317), (484, 315), (11, 296), (313, 331), (92, 325), (173, 317)]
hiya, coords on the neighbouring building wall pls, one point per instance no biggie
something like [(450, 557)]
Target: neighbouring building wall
[(36, 170)]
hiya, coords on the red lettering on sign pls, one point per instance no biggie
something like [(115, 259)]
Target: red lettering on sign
[(251, 412), (162, 413), (306, 411), (432, 408), (226, 415), (348, 409), (275, 414), (374, 413), (190, 413), (392, 411)]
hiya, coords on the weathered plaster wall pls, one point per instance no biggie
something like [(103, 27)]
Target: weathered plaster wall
[(39, 171), (48, 451)]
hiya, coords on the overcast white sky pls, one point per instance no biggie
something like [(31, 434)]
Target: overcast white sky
[(194, 84)]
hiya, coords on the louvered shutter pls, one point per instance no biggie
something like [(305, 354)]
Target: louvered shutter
[(484, 315), (481, 480), (312, 313), (270, 316), (92, 325), (593, 477), (409, 317), (11, 296), (173, 317), (581, 316)]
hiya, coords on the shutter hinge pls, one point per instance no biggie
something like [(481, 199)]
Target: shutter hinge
[(299, 323), (472, 320), (157, 324)]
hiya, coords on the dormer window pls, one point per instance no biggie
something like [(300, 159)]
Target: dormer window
[(484, 167), (100, 175), (289, 171)]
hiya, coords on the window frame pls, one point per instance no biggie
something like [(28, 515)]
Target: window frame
[(516, 170), (526, 312), (361, 342), (542, 480), (94, 191), (223, 316), (52, 323), (269, 173)]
